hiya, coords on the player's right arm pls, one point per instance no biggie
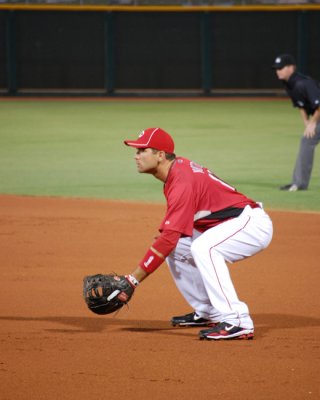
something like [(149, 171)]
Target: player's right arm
[(311, 124), (304, 116)]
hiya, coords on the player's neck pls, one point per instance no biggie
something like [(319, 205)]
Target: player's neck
[(163, 169)]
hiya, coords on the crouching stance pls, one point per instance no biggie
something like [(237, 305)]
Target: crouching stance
[(207, 224)]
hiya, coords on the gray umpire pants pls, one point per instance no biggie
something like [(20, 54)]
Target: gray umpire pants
[(304, 163)]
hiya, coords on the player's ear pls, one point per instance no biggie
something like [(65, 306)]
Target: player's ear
[(162, 155)]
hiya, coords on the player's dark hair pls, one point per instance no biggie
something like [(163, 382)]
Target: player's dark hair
[(169, 156)]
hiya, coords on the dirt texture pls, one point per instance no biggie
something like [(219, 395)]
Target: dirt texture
[(52, 347)]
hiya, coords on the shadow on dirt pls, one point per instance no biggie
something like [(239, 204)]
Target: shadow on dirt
[(74, 325)]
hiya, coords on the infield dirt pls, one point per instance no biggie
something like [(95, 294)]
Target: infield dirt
[(52, 347)]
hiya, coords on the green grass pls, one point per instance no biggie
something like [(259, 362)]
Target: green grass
[(75, 148)]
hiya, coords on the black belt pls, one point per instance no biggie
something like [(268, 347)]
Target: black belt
[(230, 212)]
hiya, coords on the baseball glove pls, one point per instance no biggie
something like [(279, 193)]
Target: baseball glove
[(105, 294)]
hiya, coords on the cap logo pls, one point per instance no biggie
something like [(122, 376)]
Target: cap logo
[(278, 60), (141, 134)]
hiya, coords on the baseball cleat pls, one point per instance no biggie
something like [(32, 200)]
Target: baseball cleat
[(191, 319), (226, 331)]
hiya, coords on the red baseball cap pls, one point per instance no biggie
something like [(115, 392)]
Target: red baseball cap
[(156, 138)]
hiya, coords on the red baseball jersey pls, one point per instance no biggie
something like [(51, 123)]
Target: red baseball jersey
[(196, 198)]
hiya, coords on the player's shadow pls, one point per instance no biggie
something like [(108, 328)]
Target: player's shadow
[(263, 323), (97, 324)]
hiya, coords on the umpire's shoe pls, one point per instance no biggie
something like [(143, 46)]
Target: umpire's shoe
[(292, 187), (191, 319)]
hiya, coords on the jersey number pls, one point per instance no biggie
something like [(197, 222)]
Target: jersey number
[(215, 178)]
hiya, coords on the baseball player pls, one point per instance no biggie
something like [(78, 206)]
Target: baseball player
[(305, 94), (207, 224)]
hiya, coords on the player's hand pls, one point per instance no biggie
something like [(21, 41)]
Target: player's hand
[(310, 130)]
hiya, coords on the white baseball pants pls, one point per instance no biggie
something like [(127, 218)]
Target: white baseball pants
[(199, 269)]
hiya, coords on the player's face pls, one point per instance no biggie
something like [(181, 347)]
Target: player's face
[(285, 72), (147, 160)]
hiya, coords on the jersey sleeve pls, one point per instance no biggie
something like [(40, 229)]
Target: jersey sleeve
[(313, 93), (180, 208), (166, 242), (307, 95)]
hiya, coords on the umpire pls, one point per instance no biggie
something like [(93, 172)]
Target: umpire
[(305, 94)]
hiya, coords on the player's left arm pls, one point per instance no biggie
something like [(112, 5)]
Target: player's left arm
[(304, 116), (312, 92), (156, 254), (179, 204), (310, 128), (141, 274)]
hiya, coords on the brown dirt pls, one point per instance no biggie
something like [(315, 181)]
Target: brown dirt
[(52, 347)]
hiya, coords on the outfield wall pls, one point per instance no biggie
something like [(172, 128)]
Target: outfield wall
[(157, 50)]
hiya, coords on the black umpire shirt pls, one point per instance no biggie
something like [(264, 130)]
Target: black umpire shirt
[(304, 92)]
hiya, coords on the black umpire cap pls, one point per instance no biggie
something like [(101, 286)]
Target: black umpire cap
[(283, 60)]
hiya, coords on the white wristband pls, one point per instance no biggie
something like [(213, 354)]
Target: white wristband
[(134, 282)]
